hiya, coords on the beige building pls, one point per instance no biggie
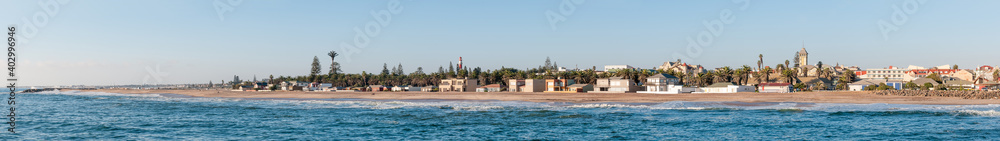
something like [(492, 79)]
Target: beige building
[(615, 85), (526, 85), (458, 85)]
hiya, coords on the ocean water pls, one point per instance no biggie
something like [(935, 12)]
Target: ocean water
[(106, 116)]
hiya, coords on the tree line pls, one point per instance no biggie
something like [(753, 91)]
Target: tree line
[(396, 76)]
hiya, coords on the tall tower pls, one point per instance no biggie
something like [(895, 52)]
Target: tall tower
[(459, 63), (803, 57)]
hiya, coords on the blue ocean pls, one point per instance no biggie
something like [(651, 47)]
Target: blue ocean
[(72, 115)]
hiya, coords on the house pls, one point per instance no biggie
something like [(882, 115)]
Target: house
[(985, 73), (682, 67), (816, 82), (334, 89), (774, 87), (294, 85), (664, 84), (376, 88), (558, 84), (526, 85), (428, 89), (958, 83), (992, 85), (922, 81), (320, 86), (898, 85), (400, 88), (860, 85), (614, 85), (413, 89), (580, 87), (246, 88), (458, 85), (490, 88), (725, 87), (260, 86)]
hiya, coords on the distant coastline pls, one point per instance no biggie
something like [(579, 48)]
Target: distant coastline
[(805, 97)]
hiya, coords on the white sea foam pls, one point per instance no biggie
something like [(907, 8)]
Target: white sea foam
[(989, 113), (606, 105)]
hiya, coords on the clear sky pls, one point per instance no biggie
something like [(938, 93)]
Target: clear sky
[(100, 42)]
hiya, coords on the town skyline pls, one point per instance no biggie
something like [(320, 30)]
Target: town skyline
[(98, 47)]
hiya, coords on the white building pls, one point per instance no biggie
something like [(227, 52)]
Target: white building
[(400, 88), (774, 88), (613, 68), (665, 84), (893, 73), (725, 87)]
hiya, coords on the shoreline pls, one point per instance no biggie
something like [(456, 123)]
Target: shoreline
[(852, 97)]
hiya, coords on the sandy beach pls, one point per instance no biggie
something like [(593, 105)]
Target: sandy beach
[(807, 97)]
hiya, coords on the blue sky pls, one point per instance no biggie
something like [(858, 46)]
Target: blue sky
[(100, 42)]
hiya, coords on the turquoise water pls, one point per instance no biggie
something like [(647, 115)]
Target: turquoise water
[(106, 116)]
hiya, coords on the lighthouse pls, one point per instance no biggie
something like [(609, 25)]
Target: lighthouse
[(460, 63)]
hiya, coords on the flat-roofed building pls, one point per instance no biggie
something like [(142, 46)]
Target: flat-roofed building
[(526, 85), (458, 85), (664, 84), (774, 87), (558, 84), (615, 68), (725, 87), (614, 85), (892, 73), (580, 88)]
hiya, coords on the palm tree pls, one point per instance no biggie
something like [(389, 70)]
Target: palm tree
[(707, 79), (723, 74), (764, 76), (643, 74), (334, 66), (746, 74), (788, 75), (828, 73), (741, 75), (738, 76), (690, 79), (760, 62), (786, 63)]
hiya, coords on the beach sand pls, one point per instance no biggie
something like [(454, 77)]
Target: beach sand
[(805, 97)]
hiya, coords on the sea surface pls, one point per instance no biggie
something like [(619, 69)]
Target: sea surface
[(72, 115)]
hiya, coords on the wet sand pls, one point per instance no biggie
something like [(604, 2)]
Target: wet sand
[(805, 97)]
